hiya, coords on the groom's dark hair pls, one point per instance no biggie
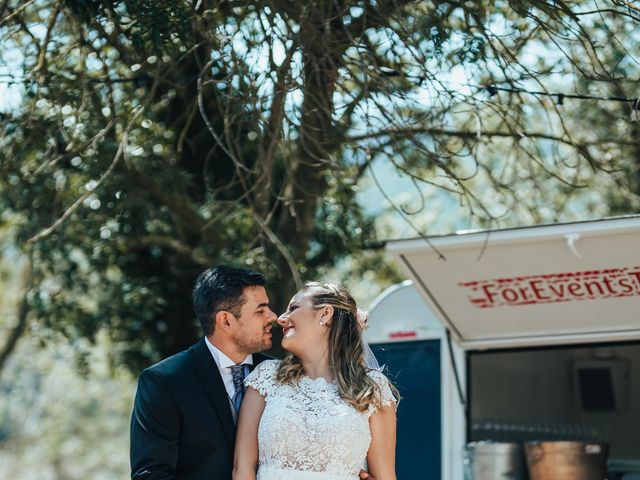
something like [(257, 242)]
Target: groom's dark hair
[(220, 288)]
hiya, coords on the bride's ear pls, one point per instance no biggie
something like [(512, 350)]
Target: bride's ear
[(326, 316)]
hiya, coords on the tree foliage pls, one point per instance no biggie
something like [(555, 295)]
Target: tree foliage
[(155, 138)]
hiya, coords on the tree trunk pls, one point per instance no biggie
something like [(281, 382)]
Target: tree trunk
[(20, 328), (322, 43)]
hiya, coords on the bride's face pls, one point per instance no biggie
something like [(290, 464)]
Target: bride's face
[(304, 327)]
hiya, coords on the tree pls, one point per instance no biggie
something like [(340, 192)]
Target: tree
[(156, 138)]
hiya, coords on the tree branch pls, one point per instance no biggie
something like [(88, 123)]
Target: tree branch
[(174, 244), (49, 230), (406, 131)]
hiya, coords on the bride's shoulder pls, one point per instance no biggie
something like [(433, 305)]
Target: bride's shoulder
[(263, 377), (269, 363), (386, 392), (377, 376), (266, 368)]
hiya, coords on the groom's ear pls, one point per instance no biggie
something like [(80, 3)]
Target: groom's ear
[(223, 320)]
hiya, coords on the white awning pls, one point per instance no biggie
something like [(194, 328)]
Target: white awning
[(551, 284)]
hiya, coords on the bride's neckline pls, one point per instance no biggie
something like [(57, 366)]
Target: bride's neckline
[(319, 371), (318, 380)]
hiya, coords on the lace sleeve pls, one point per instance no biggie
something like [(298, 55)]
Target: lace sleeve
[(263, 377), (386, 396)]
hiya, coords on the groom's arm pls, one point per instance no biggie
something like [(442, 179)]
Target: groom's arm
[(155, 429)]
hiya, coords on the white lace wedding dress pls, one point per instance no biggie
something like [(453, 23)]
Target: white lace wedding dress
[(307, 432)]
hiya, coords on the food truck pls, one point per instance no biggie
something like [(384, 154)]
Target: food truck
[(523, 335)]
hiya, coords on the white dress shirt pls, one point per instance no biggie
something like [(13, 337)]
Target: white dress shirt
[(224, 364)]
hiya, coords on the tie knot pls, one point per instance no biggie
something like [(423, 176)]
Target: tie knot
[(238, 374)]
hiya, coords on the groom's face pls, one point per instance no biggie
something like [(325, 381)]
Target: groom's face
[(252, 331)]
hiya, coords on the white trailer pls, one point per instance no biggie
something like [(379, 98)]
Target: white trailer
[(545, 323)]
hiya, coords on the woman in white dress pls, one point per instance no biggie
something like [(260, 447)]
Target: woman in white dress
[(320, 412)]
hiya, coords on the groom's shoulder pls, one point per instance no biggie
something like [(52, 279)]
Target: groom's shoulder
[(173, 365)]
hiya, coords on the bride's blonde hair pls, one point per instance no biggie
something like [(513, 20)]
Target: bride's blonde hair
[(346, 353)]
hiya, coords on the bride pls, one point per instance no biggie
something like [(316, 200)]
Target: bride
[(320, 412)]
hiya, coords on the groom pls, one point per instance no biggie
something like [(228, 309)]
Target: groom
[(183, 421)]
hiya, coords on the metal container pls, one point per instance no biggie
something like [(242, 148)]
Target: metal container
[(494, 461), (567, 460)]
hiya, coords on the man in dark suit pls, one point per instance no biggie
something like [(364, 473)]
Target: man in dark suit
[(183, 421)]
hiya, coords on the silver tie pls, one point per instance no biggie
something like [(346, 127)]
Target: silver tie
[(238, 372)]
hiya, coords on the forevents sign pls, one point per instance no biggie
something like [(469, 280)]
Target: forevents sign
[(562, 283), (554, 287)]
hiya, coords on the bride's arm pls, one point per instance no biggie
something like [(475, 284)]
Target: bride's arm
[(245, 461), (381, 457)]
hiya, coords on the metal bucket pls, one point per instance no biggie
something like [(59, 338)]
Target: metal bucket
[(567, 460), (494, 461)]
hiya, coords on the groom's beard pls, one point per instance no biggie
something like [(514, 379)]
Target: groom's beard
[(255, 347), (253, 342)]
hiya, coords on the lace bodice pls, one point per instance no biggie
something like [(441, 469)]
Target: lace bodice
[(307, 431)]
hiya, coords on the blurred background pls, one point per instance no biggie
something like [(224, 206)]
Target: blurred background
[(142, 142)]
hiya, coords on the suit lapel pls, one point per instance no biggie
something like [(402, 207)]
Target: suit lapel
[(208, 374)]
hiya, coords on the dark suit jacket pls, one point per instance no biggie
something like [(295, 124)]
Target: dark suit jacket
[(182, 425)]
